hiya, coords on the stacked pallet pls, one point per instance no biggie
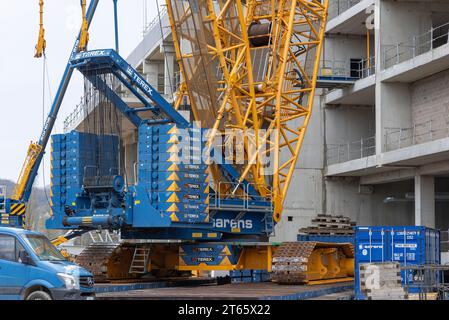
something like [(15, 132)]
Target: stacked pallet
[(325, 224), (381, 281)]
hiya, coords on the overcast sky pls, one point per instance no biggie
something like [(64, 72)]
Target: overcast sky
[(21, 73)]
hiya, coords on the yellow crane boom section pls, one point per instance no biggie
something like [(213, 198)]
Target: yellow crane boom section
[(33, 153), (84, 36), (250, 70), (41, 43)]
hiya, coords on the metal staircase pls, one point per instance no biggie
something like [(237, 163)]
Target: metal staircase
[(139, 264), (104, 236)]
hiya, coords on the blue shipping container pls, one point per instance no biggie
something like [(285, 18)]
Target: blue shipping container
[(408, 245)]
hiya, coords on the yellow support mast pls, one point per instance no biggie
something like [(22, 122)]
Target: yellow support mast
[(84, 36), (33, 153), (251, 67), (41, 43)]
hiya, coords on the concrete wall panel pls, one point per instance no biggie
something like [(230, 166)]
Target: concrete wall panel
[(343, 198), (430, 103)]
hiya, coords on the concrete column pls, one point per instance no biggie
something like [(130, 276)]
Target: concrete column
[(425, 201), (130, 160), (378, 91), (151, 72), (395, 114), (130, 146), (169, 67)]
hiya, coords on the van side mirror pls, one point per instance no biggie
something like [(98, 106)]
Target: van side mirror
[(25, 257)]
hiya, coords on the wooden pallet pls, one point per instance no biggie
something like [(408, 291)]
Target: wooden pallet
[(332, 225), (332, 219), (325, 224), (326, 231)]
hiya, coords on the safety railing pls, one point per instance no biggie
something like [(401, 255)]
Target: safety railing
[(355, 69), (170, 85), (80, 112), (241, 200), (337, 7), (415, 46), (155, 22), (429, 281), (397, 138), (367, 67), (339, 153)]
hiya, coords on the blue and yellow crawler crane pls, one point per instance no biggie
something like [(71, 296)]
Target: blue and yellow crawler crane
[(248, 67)]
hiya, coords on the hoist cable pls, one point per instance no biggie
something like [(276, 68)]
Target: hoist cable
[(44, 79)]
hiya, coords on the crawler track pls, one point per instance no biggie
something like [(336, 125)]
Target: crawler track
[(305, 262)]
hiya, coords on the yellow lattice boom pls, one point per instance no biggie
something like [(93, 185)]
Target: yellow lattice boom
[(33, 153), (251, 67)]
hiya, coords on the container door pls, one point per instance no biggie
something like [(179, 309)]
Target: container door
[(408, 248), (371, 246), (406, 244)]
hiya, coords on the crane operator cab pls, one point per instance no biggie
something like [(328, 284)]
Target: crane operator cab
[(31, 268)]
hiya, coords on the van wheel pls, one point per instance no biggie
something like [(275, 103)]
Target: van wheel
[(38, 295)]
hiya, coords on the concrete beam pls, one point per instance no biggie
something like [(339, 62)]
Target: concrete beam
[(435, 168), (361, 93), (429, 158), (150, 43), (420, 67), (357, 167), (425, 201), (388, 177), (352, 20)]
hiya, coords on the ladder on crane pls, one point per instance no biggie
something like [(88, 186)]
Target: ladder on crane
[(141, 257)]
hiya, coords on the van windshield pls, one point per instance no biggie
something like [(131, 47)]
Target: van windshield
[(43, 248)]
